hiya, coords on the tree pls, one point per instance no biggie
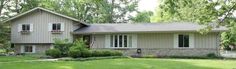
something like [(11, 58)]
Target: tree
[(212, 13), (142, 17), (89, 11)]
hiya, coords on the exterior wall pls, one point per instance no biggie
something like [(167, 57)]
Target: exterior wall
[(39, 48), (98, 41), (162, 44), (40, 33)]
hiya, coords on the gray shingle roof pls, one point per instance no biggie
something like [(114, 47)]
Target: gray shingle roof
[(143, 27)]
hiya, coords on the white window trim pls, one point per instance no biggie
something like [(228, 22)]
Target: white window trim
[(191, 41), (23, 49), (134, 41)]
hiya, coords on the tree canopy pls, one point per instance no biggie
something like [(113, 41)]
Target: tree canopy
[(212, 13)]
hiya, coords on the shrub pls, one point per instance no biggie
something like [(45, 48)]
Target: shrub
[(73, 52), (106, 53), (63, 46), (96, 53), (55, 53), (212, 55), (86, 53), (78, 49), (117, 53), (101, 53)]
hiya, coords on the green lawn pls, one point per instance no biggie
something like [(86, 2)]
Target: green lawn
[(124, 63)]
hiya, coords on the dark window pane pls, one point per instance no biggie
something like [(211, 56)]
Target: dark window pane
[(125, 40), (28, 49), (27, 27), (181, 41), (186, 41), (58, 26), (116, 41), (23, 27), (54, 26), (120, 41)]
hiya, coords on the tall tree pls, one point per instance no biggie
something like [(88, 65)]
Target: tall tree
[(90, 11), (212, 13), (142, 17)]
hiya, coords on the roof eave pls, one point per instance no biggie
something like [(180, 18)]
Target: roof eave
[(144, 32), (17, 16)]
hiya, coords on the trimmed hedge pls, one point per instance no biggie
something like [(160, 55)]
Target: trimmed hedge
[(92, 58), (55, 53), (101, 53)]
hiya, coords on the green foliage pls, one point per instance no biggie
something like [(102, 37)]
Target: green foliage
[(5, 37), (55, 53), (62, 45), (78, 49), (142, 17), (89, 11), (101, 53), (211, 13), (74, 52)]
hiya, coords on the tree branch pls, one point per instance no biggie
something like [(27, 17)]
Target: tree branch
[(228, 13)]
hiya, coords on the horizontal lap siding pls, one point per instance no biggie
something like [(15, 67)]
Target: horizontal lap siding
[(40, 34)]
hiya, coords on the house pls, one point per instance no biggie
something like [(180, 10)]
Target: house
[(34, 31)]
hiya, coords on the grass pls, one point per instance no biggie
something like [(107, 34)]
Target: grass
[(15, 58), (124, 63)]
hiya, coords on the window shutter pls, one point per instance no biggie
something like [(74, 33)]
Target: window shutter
[(107, 41), (22, 49), (19, 27), (176, 41), (191, 40), (50, 27), (134, 41), (31, 27), (34, 49), (62, 26)]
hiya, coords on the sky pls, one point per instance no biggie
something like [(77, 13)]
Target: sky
[(148, 5)]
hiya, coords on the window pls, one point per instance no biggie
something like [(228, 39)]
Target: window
[(121, 41), (56, 27), (28, 48), (25, 27), (183, 40)]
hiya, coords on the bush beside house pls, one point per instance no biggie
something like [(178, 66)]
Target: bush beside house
[(77, 50)]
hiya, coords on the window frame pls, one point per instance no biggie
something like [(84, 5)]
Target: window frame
[(25, 48), (24, 27), (183, 41), (56, 29), (116, 37)]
